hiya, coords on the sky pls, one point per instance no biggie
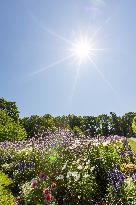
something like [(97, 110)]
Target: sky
[(38, 70)]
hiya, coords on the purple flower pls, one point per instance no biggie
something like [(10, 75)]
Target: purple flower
[(122, 154), (116, 178), (133, 175), (129, 153)]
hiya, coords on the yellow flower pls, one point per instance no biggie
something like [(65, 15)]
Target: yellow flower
[(131, 166)]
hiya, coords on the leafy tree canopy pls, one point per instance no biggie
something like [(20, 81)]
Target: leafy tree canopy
[(10, 108), (9, 129)]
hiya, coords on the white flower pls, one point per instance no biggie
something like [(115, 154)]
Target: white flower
[(88, 162), (64, 167), (106, 143), (129, 181), (78, 161), (79, 167), (68, 174), (86, 175), (60, 177), (73, 146), (76, 175), (92, 168)]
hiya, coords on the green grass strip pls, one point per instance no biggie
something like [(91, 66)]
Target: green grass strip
[(132, 144)]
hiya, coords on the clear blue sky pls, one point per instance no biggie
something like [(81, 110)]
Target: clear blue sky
[(36, 33)]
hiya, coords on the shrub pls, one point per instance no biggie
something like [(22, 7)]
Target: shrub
[(6, 196)]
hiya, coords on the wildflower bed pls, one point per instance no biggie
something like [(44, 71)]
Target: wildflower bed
[(61, 169)]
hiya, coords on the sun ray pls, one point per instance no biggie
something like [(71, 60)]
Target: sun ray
[(50, 31), (102, 75), (75, 81), (50, 66), (82, 50), (99, 29)]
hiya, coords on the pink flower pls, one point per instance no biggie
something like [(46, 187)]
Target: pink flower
[(34, 183), (49, 197), (42, 175), (46, 191)]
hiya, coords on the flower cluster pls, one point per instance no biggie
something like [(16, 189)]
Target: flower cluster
[(40, 183), (47, 195), (24, 165), (116, 178)]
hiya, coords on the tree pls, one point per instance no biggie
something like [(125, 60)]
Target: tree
[(48, 123), (74, 120), (88, 125), (32, 125), (116, 125), (9, 129), (36, 126), (127, 121), (103, 125), (134, 125), (10, 108)]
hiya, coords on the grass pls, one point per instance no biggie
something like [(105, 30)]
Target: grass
[(132, 144)]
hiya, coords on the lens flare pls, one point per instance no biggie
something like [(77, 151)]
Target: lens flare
[(82, 49)]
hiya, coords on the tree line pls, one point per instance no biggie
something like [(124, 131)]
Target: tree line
[(14, 127)]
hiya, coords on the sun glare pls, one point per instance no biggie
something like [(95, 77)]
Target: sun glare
[(82, 50)]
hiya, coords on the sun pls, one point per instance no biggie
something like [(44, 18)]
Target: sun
[(82, 49)]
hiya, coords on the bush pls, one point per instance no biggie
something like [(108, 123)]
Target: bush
[(6, 196), (9, 129)]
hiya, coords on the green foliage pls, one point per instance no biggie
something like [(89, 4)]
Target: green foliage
[(102, 125), (74, 121), (9, 129), (77, 131), (103, 122), (127, 121), (10, 108), (134, 125), (36, 126), (89, 126), (32, 125), (6, 196), (4, 180), (116, 125), (132, 143)]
